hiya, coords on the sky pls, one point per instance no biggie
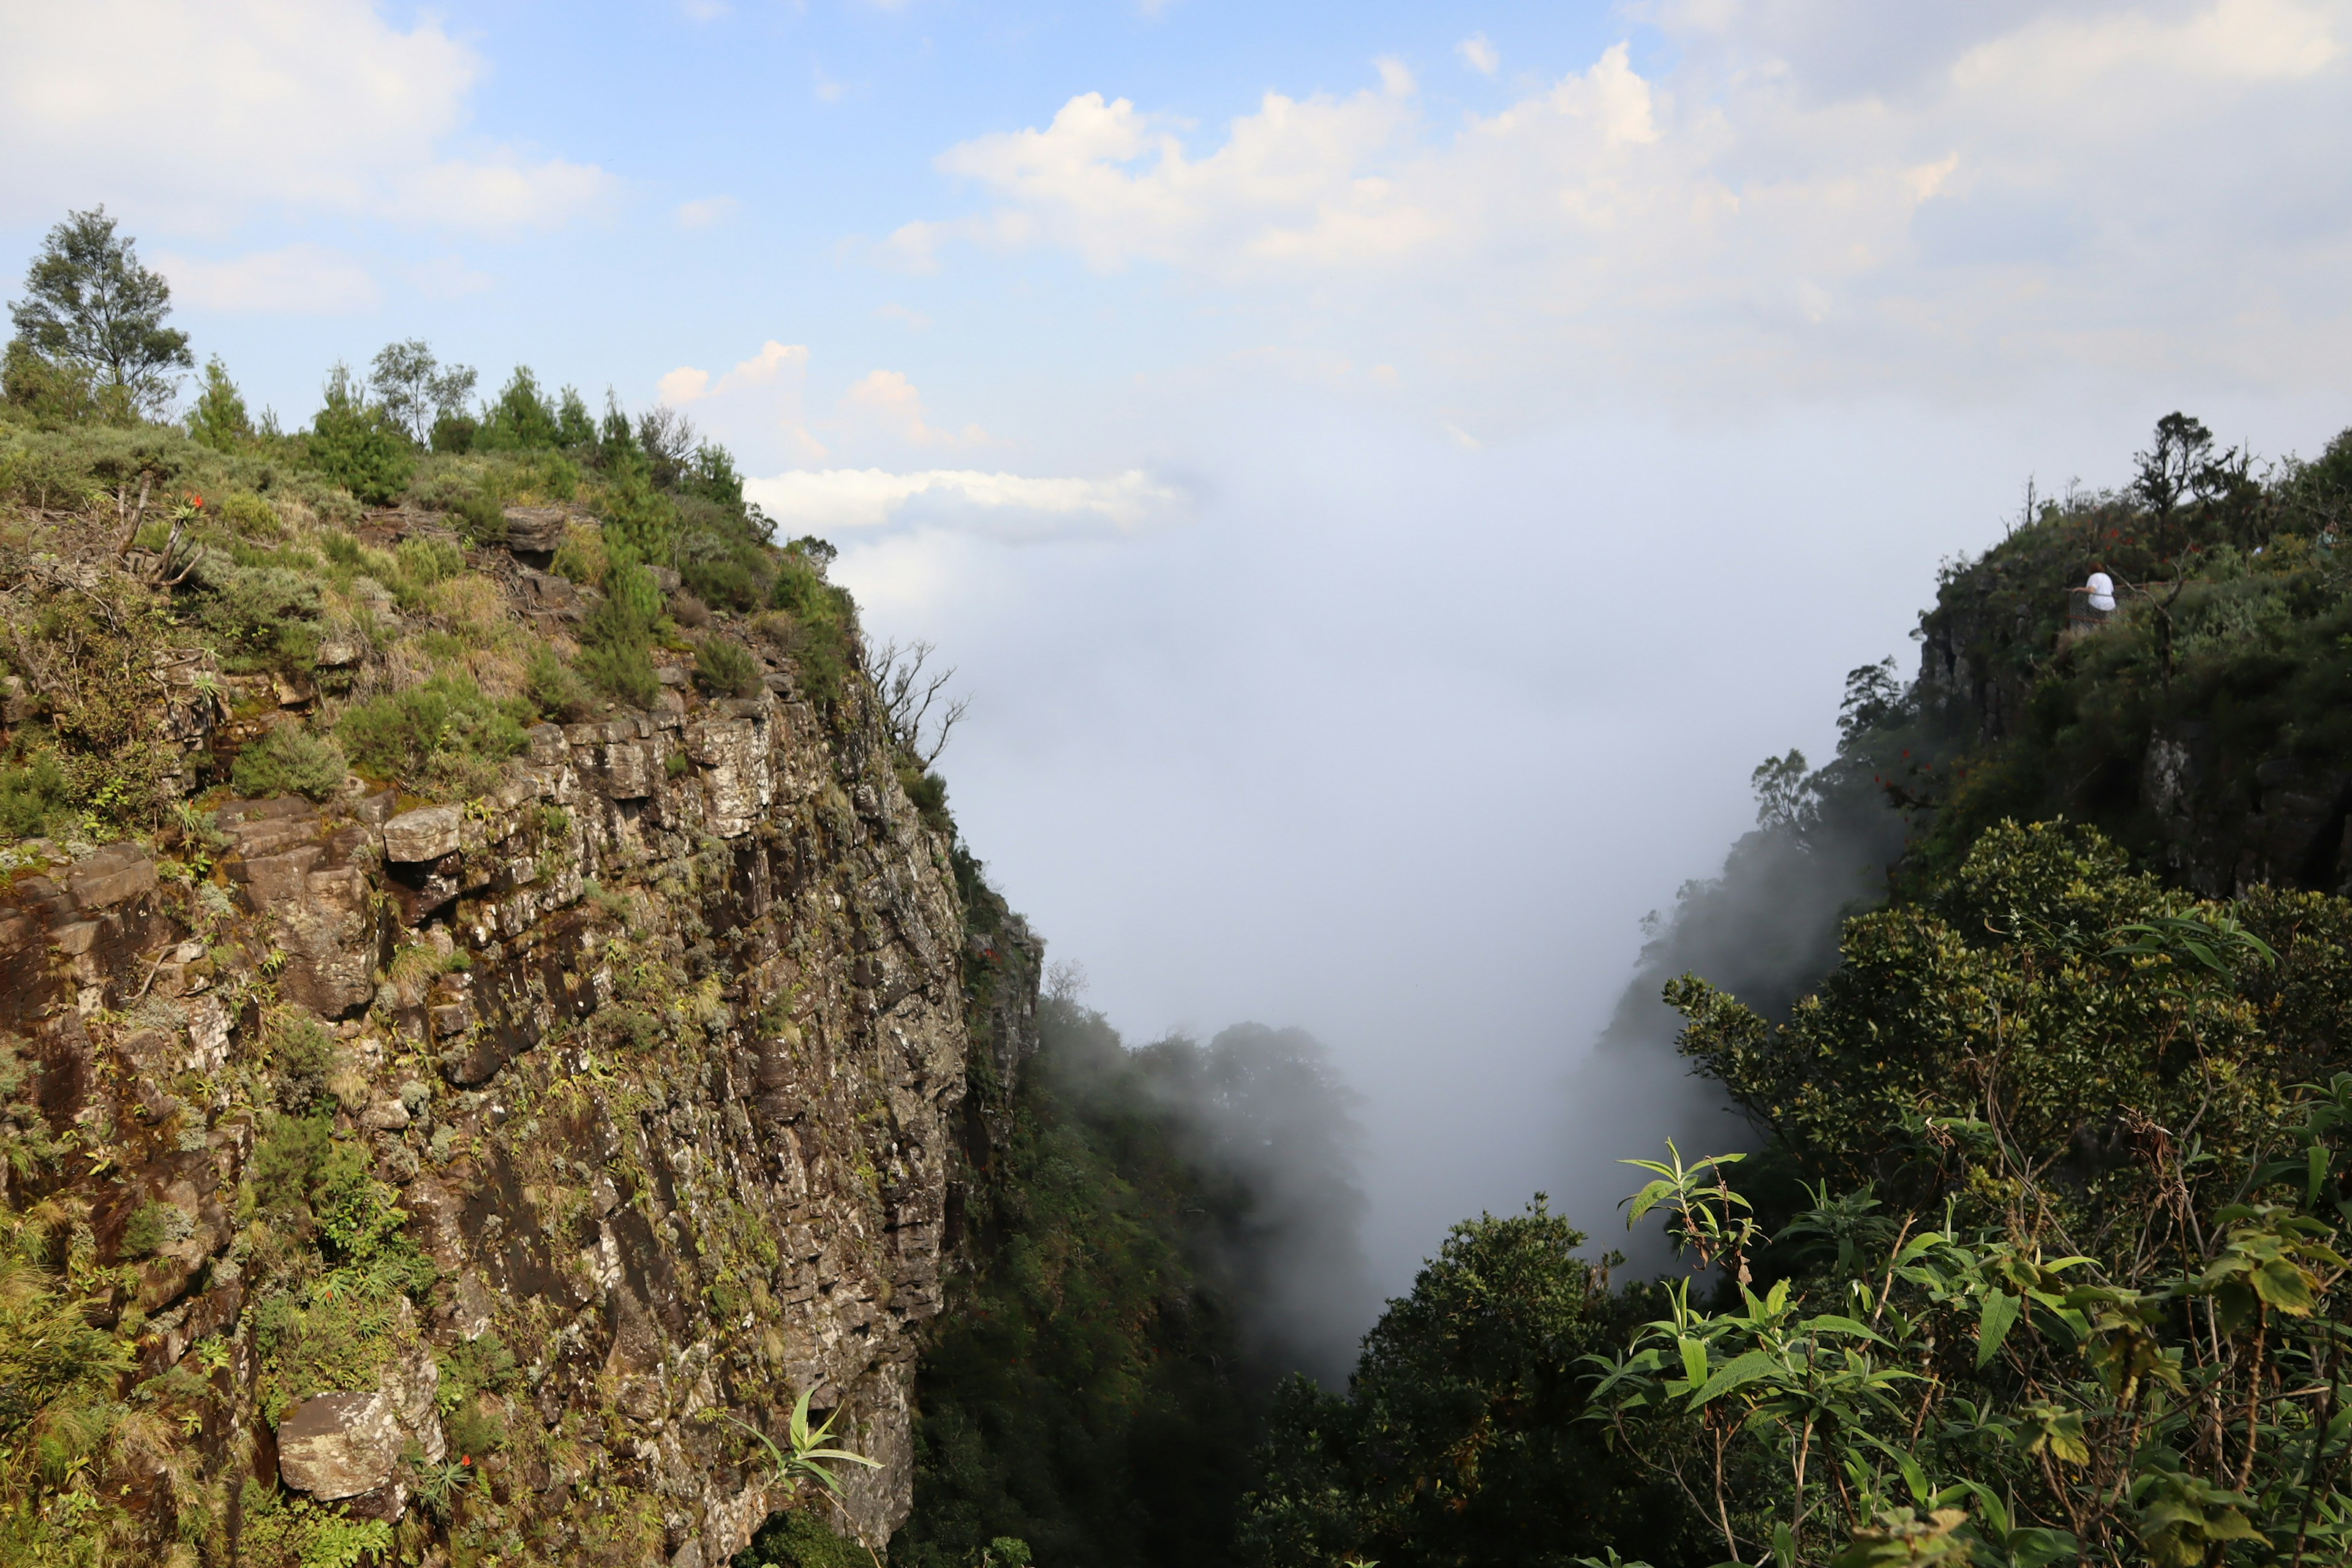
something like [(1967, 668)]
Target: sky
[(1384, 473)]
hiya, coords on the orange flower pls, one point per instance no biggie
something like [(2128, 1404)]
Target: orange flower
[(467, 1460)]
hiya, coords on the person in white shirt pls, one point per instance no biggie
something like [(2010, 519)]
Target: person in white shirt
[(2102, 590)]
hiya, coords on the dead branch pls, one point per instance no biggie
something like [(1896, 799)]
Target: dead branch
[(909, 693)]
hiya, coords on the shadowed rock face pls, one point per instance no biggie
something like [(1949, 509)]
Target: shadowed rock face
[(661, 1052)]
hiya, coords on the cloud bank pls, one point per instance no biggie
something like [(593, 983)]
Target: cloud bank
[(217, 110), (827, 500), (1806, 196)]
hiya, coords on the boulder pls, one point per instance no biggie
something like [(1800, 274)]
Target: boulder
[(536, 530), (338, 1445), (110, 876), (425, 833)]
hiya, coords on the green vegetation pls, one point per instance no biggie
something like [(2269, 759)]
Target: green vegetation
[(1084, 1400), (800, 1540), (93, 315), (290, 760), (446, 732)]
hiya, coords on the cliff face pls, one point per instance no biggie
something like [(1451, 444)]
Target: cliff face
[(491, 1170)]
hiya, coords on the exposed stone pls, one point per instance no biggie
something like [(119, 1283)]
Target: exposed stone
[(427, 833), (668, 1069), (536, 530), (338, 1445), (111, 876)]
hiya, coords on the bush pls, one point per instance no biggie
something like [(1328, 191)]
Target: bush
[(479, 521), (453, 434), (424, 560), (551, 684), (725, 668), (267, 616), (799, 1540), (251, 516), (148, 1231), (822, 622), (290, 760), (288, 1151), (445, 729), (622, 671), (520, 420), (30, 793), (302, 1054), (359, 445), (929, 793)]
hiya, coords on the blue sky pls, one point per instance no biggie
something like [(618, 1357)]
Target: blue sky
[(1386, 473)]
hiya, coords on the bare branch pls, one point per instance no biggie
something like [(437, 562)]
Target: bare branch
[(909, 691)]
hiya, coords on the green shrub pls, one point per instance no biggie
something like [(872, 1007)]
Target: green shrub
[(929, 793), (30, 793), (266, 617), (453, 434), (799, 1540), (424, 560), (147, 1230), (479, 521), (622, 671), (218, 418), (551, 685), (341, 548), (445, 729), (290, 760), (725, 668), (474, 1430), (355, 1213), (285, 1157), (822, 626), (359, 445), (302, 1054), (251, 516), (520, 420)]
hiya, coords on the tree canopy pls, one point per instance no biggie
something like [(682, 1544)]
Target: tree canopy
[(90, 304)]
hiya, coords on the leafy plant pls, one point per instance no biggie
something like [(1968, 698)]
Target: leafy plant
[(725, 667), (290, 760), (358, 444), (807, 1459)]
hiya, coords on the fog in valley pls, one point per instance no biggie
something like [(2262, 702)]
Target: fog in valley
[(1401, 750)]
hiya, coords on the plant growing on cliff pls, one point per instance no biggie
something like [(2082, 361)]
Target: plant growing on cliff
[(808, 1459), (290, 760)]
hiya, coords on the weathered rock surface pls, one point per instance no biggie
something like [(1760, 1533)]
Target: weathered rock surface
[(338, 1445), (661, 1050)]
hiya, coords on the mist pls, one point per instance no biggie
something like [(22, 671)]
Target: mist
[(1397, 743)]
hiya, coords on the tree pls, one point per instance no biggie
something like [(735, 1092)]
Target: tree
[(1463, 1439), (219, 419), (521, 420), (417, 391), (356, 443), (88, 304)]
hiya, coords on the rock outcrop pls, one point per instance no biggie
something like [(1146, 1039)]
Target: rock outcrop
[(655, 1059)]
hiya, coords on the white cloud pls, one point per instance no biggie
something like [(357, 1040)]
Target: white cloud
[(683, 386), (1797, 196), (687, 384), (887, 399), (1479, 55), (914, 320), (297, 279), (705, 212), (830, 498), (218, 107)]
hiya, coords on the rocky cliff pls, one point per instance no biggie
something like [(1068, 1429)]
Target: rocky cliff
[(482, 1180)]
